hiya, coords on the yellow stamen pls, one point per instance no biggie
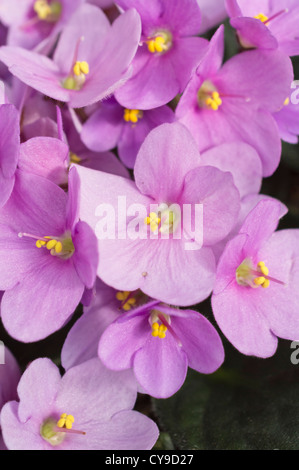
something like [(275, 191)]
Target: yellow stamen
[(264, 270), (132, 115), (81, 67), (66, 421), (263, 18), (74, 158), (51, 244), (127, 301), (286, 102), (157, 44), (153, 221), (266, 284), (63, 247), (214, 101), (47, 12), (158, 330), (58, 247), (259, 280)]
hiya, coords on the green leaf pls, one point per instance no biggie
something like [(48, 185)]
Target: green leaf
[(249, 403)]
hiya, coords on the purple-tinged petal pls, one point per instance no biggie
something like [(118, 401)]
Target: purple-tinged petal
[(126, 430), (43, 301), (86, 253), (183, 17), (236, 75), (112, 67), (260, 223), (133, 135), (164, 159), (280, 303), (104, 161), (90, 23), (240, 319), (36, 206), (241, 160), (160, 366), (216, 191), (45, 156), (36, 70), (200, 341), (44, 373), (212, 61), (154, 85), (119, 342), (82, 341), (9, 149), (253, 33), (17, 435), (108, 392), (102, 130), (213, 12)]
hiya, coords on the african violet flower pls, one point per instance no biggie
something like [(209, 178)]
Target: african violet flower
[(107, 305), (89, 408), (221, 104), (9, 377), (266, 24), (80, 73), (35, 24), (155, 244), (47, 257), (256, 298), (113, 125), (167, 55), (159, 343)]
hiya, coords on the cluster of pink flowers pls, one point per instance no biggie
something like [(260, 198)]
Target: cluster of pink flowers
[(131, 164)]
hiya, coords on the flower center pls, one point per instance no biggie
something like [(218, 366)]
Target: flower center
[(132, 115), (62, 247), (77, 76), (46, 11), (208, 97), (160, 323), (54, 431), (248, 275), (160, 42), (165, 220)]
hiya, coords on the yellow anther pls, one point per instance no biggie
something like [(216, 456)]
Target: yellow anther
[(74, 158), (47, 12), (81, 67), (214, 101), (65, 421), (158, 44), (264, 270), (51, 244), (153, 221), (127, 301), (129, 304), (259, 280), (58, 247), (263, 18), (266, 284), (158, 330), (40, 243), (42, 9), (286, 102), (132, 115)]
